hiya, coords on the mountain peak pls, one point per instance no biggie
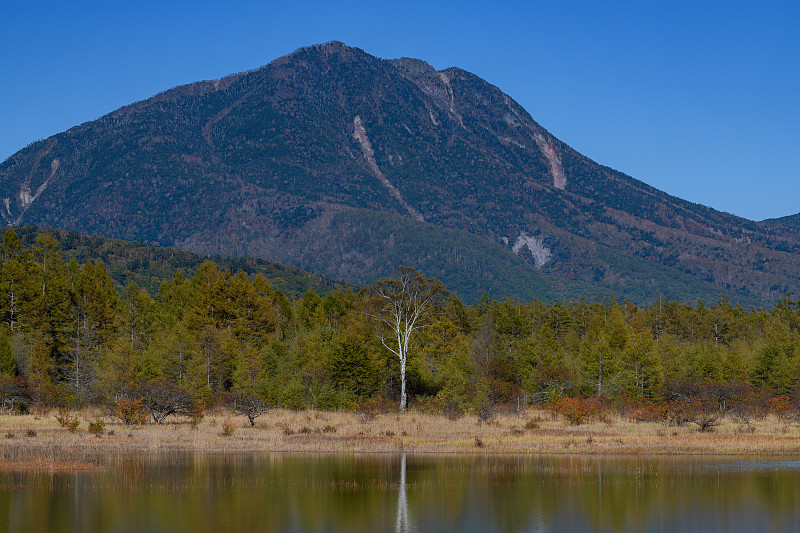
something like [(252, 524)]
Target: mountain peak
[(347, 165), (331, 50)]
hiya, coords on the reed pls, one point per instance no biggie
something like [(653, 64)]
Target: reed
[(41, 442)]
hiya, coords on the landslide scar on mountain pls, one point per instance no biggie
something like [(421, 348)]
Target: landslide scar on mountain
[(360, 134), (25, 197), (545, 146), (453, 111), (549, 151)]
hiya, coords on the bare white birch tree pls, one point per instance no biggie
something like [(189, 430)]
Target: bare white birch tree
[(404, 305)]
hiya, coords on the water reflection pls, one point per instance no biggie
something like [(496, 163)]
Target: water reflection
[(402, 500), (283, 492)]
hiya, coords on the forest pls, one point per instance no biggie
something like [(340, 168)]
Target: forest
[(69, 337)]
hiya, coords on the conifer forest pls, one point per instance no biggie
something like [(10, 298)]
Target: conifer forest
[(70, 337)]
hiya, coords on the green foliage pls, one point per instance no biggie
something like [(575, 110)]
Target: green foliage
[(76, 340), (352, 368), (775, 365), (7, 364), (149, 266), (97, 427)]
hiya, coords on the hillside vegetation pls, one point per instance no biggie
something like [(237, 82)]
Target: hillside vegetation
[(67, 338)]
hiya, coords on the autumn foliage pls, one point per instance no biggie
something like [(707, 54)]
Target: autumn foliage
[(577, 410), (131, 411), (72, 335)]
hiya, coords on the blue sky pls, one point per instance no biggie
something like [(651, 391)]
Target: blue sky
[(699, 99)]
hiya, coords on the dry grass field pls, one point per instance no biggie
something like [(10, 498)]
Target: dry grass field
[(38, 442)]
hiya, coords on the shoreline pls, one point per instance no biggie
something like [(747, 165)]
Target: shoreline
[(38, 443)]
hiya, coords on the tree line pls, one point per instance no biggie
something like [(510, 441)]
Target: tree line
[(68, 337)]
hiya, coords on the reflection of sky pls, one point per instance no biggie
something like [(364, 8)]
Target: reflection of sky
[(757, 466)]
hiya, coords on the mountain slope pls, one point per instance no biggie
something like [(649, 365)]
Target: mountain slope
[(148, 266), (271, 162)]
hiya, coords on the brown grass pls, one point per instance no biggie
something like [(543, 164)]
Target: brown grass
[(39, 443)]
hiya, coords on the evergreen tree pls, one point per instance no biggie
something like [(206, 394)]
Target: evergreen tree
[(351, 367), (8, 365), (19, 299), (602, 351), (94, 319)]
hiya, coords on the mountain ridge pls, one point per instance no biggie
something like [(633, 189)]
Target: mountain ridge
[(256, 163)]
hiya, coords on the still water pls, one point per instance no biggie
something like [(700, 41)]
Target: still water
[(283, 492)]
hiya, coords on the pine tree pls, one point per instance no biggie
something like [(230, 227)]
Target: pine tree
[(602, 352), (351, 367), (53, 283), (94, 319), (8, 366), (19, 299)]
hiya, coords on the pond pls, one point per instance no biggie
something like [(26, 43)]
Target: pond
[(286, 492)]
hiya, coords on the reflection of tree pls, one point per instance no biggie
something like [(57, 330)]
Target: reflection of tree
[(402, 525)]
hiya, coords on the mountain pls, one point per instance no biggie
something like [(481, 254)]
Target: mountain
[(148, 266), (790, 223), (348, 165)]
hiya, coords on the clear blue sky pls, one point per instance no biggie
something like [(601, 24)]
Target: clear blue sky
[(699, 99)]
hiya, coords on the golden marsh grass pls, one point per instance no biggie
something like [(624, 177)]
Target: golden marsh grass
[(38, 442)]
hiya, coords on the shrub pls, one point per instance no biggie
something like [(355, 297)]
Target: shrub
[(650, 413), (66, 420), (780, 406), (621, 405), (367, 411), (131, 411), (227, 428), (14, 395), (162, 398), (533, 423), (703, 413), (249, 404), (678, 412), (486, 413), (97, 428), (62, 416), (576, 410)]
